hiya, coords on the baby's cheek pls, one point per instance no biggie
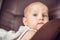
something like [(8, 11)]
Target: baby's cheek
[(46, 20), (33, 23)]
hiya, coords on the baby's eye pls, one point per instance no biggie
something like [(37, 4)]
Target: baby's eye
[(44, 15), (34, 14)]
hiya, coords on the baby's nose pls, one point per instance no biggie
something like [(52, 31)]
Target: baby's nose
[(41, 21), (40, 18)]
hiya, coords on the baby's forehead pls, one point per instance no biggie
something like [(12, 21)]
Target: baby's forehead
[(35, 6)]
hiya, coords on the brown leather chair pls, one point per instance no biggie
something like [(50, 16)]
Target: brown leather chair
[(0, 3), (10, 17)]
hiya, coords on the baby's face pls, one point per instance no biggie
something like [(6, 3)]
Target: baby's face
[(36, 16)]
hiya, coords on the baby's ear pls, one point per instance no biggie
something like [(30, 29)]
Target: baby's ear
[(25, 21)]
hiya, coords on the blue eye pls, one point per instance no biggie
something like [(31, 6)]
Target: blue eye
[(34, 14)]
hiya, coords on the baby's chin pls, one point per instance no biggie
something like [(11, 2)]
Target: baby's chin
[(39, 26)]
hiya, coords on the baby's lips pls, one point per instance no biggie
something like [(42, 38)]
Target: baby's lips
[(41, 23)]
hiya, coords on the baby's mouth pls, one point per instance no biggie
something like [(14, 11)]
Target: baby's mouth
[(41, 23)]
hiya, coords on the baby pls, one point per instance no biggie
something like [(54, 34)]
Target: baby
[(35, 16)]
